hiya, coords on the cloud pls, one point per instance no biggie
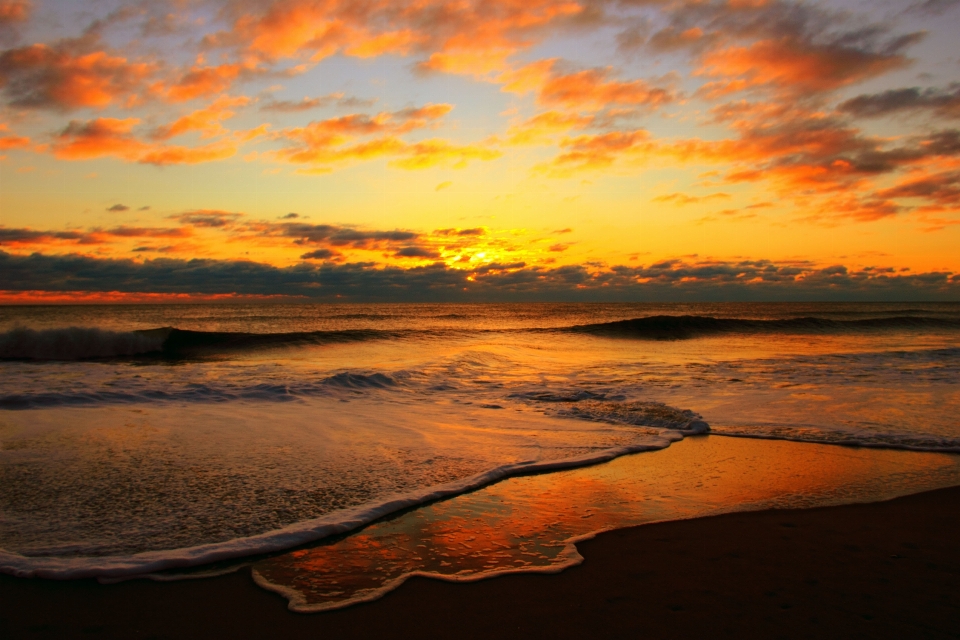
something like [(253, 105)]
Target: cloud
[(118, 208), (670, 280), (332, 235), (208, 218), (945, 103), (12, 141), (67, 76), (335, 142), (206, 120), (308, 104), (95, 236), (586, 89), (322, 254), (681, 199), (798, 66), (544, 127), (416, 252), (14, 11), (462, 37), (933, 7), (473, 231), (201, 81), (113, 137)]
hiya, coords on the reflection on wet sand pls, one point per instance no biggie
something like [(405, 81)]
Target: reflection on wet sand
[(530, 523)]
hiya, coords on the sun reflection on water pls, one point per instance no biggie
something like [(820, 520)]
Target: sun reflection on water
[(529, 523)]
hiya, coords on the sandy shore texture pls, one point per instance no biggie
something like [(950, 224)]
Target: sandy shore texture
[(881, 570)]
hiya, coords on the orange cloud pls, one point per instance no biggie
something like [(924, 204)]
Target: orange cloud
[(542, 127), (164, 155), (104, 137), (12, 11), (588, 89), (682, 199), (430, 153), (201, 81), (793, 65), (40, 76), (591, 88), (471, 37), (206, 121), (334, 141), (12, 141), (97, 138)]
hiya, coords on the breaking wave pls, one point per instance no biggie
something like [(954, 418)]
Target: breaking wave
[(686, 327), (84, 343), (77, 343)]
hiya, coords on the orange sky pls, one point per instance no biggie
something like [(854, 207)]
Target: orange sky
[(503, 149)]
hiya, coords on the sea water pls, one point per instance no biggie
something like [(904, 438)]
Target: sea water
[(135, 439)]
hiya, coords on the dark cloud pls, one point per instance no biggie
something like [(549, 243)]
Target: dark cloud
[(672, 280), (475, 231), (801, 49), (337, 236), (307, 104), (210, 218), (943, 102), (32, 236), (322, 254), (290, 216), (934, 7), (118, 208), (416, 252)]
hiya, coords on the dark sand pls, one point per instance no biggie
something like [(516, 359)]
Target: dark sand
[(883, 570)]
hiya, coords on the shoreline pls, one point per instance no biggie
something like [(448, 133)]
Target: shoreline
[(881, 569)]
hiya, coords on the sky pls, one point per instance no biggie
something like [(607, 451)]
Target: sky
[(472, 150)]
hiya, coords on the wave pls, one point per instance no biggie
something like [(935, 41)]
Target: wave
[(202, 393), (685, 327), (80, 343), (109, 568), (83, 343), (77, 343)]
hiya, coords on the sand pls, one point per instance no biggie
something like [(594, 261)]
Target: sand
[(881, 570)]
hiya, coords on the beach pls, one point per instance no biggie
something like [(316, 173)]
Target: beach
[(881, 570), (307, 470)]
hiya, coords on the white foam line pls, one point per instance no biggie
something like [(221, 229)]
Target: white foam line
[(110, 568)]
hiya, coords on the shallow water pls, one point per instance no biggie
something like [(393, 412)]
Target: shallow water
[(530, 523), (173, 448)]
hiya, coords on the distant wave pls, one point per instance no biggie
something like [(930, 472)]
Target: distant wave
[(685, 327), (82, 343), (76, 343), (79, 343), (184, 342)]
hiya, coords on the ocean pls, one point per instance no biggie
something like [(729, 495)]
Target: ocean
[(173, 440)]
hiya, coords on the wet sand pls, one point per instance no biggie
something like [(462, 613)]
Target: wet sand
[(881, 570)]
